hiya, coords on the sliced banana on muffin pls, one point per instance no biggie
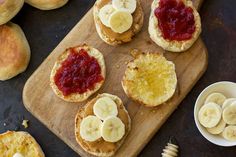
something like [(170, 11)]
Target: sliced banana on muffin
[(150, 79), (174, 25), (117, 21), (102, 125), (19, 144), (78, 73)]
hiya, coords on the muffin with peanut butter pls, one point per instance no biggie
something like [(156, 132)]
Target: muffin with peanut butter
[(117, 21), (102, 125)]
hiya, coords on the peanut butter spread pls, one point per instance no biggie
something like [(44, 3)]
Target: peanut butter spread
[(126, 36), (100, 145)]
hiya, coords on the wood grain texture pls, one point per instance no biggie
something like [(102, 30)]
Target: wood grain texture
[(59, 115)]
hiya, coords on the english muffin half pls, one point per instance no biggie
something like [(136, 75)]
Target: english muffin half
[(174, 25), (8, 9), (130, 19), (78, 73), (102, 144), (150, 79), (20, 143), (46, 4), (14, 51)]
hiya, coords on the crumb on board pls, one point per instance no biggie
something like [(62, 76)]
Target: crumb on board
[(135, 52), (117, 66), (126, 62), (141, 113), (25, 123)]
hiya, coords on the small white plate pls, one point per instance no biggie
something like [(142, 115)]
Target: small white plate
[(229, 90)]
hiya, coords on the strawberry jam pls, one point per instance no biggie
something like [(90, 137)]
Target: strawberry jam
[(78, 73), (175, 20)]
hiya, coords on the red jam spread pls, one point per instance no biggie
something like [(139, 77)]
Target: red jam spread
[(175, 20), (78, 73)]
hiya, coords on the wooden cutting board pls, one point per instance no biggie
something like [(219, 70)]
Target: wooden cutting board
[(59, 115)]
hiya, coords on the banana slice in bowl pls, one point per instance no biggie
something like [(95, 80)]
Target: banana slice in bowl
[(213, 120), (209, 115), (219, 128), (229, 133), (229, 114), (217, 98), (228, 102)]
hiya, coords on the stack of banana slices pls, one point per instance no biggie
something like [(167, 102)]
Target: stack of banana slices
[(118, 15), (218, 116), (104, 123)]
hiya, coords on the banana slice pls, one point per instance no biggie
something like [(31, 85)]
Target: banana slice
[(209, 115), (105, 107), (112, 129), (219, 128), (217, 98), (229, 133), (228, 102), (90, 128), (120, 21), (125, 5), (229, 114), (105, 13)]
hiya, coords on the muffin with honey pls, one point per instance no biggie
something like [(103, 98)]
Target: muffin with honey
[(102, 125), (117, 21), (150, 79), (78, 73)]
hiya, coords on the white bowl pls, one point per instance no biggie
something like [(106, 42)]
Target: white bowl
[(229, 90)]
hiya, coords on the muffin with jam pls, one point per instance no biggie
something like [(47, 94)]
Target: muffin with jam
[(78, 73), (174, 25)]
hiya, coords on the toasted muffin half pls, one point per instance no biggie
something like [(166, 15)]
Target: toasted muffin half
[(111, 37), (12, 142), (78, 96), (173, 45), (8, 9), (100, 147), (150, 79), (14, 51), (46, 4)]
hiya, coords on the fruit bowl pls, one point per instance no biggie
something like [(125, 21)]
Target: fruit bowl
[(229, 90)]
